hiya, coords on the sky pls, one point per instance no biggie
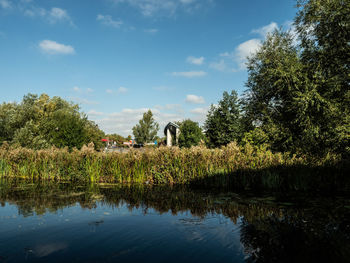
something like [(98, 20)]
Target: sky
[(119, 58)]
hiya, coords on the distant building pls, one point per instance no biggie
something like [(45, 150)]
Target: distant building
[(171, 131)]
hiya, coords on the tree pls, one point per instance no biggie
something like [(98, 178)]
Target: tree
[(222, 125), (41, 122), (147, 128), (324, 31), (66, 129), (279, 92), (190, 133), (298, 94)]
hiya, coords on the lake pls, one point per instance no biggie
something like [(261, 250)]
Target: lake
[(56, 222)]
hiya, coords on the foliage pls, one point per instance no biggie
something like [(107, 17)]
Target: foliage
[(222, 125), (147, 128), (280, 96), (190, 133), (298, 94), (256, 137), (231, 166), (324, 32), (41, 122)]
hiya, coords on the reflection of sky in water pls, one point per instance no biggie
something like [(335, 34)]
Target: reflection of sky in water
[(107, 234)]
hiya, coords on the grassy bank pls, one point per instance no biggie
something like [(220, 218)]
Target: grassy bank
[(233, 165)]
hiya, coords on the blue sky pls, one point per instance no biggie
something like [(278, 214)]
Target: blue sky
[(118, 58)]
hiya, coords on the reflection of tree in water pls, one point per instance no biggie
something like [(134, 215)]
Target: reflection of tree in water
[(314, 236), (269, 232)]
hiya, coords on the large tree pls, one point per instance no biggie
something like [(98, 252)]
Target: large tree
[(279, 93), (222, 125), (323, 28), (40, 122), (190, 133), (147, 128), (298, 92)]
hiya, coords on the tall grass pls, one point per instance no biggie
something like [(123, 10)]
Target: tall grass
[(154, 166)]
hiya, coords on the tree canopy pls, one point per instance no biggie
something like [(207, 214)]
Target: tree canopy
[(222, 125), (147, 128), (190, 133), (298, 96), (41, 122), (298, 91)]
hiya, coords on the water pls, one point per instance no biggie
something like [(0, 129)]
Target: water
[(90, 223)]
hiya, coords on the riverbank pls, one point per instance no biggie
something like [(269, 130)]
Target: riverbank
[(239, 167)]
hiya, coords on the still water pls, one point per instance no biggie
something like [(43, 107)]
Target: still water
[(100, 223)]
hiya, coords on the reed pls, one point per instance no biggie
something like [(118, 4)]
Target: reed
[(246, 166)]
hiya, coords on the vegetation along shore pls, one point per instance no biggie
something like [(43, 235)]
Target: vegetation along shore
[(233, 166)]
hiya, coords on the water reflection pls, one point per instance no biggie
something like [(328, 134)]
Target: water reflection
[(239, 228)]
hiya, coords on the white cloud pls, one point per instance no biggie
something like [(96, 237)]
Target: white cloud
[(150, 8), (53, 16), (83, 101), (189, 74), (5, 4), (199, 114), (195, 99), (195, 61), (59, 15), (53, 48), (186, 2), (265, 30), (108, 21), (220, 66), (226, 55), (122, 90), (199, 111), (80, 90), (76, 89), (95, 113), (35, 11), (237, 59), (171, 107), (151, 31), (246, 49)]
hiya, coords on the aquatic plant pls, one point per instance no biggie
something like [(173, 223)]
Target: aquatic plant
[(244, 166)]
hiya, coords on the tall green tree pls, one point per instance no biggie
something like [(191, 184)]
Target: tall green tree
[(147, 128), (298, 94), (323, 28), (190, 133), (280, 94), (222, 125)]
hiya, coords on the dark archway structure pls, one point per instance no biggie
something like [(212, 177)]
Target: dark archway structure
[(171, 131)]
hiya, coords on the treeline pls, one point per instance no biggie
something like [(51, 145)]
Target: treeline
[(39, 122)]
